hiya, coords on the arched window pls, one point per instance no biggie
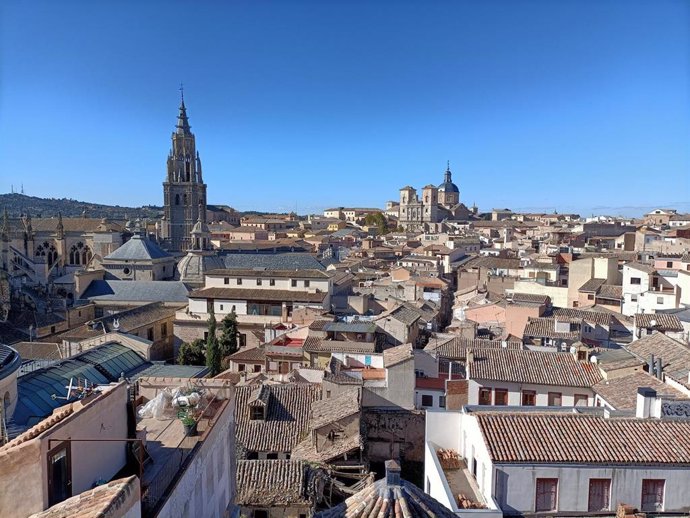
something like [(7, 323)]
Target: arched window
[(177, 199), (185, 200), (80, 254)]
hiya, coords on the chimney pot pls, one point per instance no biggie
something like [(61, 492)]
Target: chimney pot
[(645, 400)]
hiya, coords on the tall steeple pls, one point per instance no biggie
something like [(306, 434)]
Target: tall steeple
[(184, 189), (183, 127), (447, 176)]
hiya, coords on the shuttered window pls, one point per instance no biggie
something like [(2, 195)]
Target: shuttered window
[(599, 494), (547, 494)]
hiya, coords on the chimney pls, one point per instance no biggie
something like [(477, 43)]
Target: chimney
[(392, 473), (659, 369), (469, 360), (645, 402), (650, 365)]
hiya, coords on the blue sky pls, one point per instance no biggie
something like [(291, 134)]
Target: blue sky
[(299, 105)]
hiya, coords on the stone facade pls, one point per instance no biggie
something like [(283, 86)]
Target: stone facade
[(184, 189)]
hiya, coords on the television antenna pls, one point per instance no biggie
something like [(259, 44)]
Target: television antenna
[(77, 391)]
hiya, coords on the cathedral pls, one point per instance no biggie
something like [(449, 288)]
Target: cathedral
[(184, 189), (437, 204)]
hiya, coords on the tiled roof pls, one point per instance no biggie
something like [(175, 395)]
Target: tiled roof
[(592, 285), (493, 262), (306, 450), (535, 367), (610, 291), (138, 248), (341, 379), (389, 500), (545, 327), (621, 392), (584, 439), (272, 483), (529, 298), (253, 354), (270, 273), (285, 261), (287, 417), (396, 355), (675, 356), (456, 348), (663, 321), (314, 344), (330, 410), (136, 291), (597, 317), (405, 315), (104, 501), (258, 294), (318, 324), (350, 327)]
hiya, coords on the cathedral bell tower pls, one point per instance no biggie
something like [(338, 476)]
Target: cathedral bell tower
[(184, 189)]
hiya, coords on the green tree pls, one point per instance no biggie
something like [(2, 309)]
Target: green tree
[(212, 349), (192, 353), (378, 220), (228, 337)]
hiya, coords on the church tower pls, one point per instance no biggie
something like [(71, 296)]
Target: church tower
[(184, 189)]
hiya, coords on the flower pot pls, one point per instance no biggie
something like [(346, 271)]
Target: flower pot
[(189, 429)]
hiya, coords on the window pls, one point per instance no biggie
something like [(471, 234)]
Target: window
[(529, 398), (220, 307), (293, 283), (272, 282), (442, 401), (555, 398), (427, 400), (547, 494), (633, 298), (660, 300), (239, 282), (635, 280), (52, 329), (501, 397), (59, 473), (241, 367), (260, 513), (306, 284), (258, 282), (652, 494), (669, 264), (599, 494), (226, 280), (590, 296), (271, 456), (164, 329), (328, 394), (581, 399), (257, 413), (149, 333), (484, 396)]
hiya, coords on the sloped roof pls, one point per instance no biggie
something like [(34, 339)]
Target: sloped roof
[(384, 499), (252, 354), (675, 356), (272, 483), (287, 417), (285, 261), (610, 291), (534, 367), (456, 348), (621, 392), (396, 355), (314, 344), (663, 321), (597, 317), (584, 439), (138, 248), (103, 501), (136, 291), (546, 327), (330, 410), (259, 294), (311, 273), (592, 285)]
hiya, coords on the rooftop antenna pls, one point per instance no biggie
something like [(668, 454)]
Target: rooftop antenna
[(78, 391)]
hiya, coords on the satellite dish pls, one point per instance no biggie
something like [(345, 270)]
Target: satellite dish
[(652, 323), (593, 359)]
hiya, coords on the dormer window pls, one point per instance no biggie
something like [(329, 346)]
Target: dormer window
[(257, 413), (239, 282)]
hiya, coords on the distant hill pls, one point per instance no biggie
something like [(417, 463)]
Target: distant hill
[(18, 204)]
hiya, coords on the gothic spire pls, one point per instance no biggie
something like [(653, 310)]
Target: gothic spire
[(60, 228), (183, 127)]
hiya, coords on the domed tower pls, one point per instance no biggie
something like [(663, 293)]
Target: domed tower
[(200, 257), (448, 192)]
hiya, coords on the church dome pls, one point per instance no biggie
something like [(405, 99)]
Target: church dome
[(448, 185), (193, 266)]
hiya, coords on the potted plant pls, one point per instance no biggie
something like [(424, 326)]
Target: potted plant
[(189, 424)]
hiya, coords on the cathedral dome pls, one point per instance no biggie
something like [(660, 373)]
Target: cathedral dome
[(448, 186), (193, 266)]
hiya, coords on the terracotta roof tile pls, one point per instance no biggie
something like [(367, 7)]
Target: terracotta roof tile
[(664, 321), (584, 439), (258, 294), (272, 483)]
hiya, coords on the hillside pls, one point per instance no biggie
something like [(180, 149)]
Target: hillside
[(18, 204)]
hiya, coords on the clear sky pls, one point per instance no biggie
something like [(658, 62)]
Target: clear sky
[(300, 105)]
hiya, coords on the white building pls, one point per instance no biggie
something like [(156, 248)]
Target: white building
[(525, 462)]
